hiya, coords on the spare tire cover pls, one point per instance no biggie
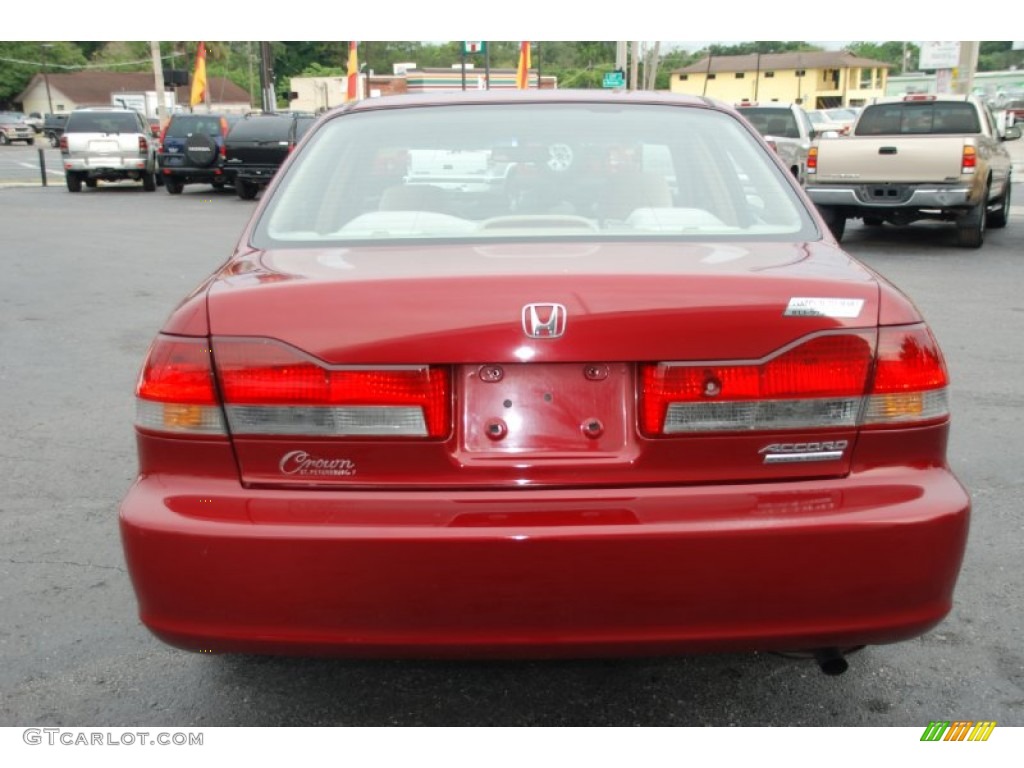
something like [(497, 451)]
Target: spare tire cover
[(200, 150)]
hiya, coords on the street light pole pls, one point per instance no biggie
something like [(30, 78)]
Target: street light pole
[(46, 76)]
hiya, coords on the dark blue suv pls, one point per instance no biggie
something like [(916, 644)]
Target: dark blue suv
[(192, 150)]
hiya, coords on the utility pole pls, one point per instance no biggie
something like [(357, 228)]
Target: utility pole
[(620, 57), (158, 80), (46, 75), (267, 78), (634, 68)]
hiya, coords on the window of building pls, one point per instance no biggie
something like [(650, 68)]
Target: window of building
[(684, 77), (740, 75), (801, 73), (769, 74), (711, 77)]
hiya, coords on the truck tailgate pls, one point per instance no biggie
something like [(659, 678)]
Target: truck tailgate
[(891, 159)]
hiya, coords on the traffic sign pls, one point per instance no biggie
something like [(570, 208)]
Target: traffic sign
[(474, 46), (616, 79)]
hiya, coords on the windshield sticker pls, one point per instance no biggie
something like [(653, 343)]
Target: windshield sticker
[(804, 306)]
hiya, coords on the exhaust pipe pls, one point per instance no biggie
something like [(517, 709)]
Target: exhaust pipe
[(831, 661)]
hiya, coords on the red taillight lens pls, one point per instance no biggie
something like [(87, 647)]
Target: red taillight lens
[(812, 160), (830, 370), (969, 161), (830, 380), (176, 390), (64, 144), (269, 387), (178, 370), (143, 145), (910, 378)]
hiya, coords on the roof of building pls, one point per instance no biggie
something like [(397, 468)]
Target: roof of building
[(781, 61), (96, 87)]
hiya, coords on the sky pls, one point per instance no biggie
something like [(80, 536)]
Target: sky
[(694, 24)]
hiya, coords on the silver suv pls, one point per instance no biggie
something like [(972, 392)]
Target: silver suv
[(108, 144), (786, 128)]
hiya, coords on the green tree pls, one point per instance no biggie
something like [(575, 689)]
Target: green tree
[(21, 61)]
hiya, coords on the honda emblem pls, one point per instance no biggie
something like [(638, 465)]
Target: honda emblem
[(544, 321)]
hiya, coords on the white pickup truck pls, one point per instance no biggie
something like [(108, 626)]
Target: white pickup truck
[(917, 157)]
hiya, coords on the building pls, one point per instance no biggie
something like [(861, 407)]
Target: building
[(66, 91), (815, 79), (317, 94)]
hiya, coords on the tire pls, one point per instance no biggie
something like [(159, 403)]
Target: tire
[(835, 220), (4, 141), (173, 186), (30, 142), (54, 141), (246, 189), (970, 230), (218, 185), (201, 150), (74, 181), (149, 182), (998, 219)]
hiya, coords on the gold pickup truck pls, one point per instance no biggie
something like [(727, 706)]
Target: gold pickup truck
[(916, 157)]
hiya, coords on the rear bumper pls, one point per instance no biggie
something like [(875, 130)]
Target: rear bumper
[(544, 573), (891, 196)]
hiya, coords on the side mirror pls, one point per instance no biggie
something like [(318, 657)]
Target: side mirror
[(1013, 132)]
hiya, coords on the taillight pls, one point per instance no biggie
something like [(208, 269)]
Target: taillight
[(828, 380), (969, 161), (176, 390), (270, 388), (910, 381), (143, 145), (64, 144), (771, 143), (812, 160)]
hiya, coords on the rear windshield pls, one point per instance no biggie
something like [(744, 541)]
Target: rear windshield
[(532, 171), (918, 117), (183, 126), (264, 127), (102, 122), (772, 122)]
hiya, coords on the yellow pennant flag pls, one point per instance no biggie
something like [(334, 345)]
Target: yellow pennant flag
[(199, 77)]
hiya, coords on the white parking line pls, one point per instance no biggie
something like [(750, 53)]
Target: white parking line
[(36, 167)]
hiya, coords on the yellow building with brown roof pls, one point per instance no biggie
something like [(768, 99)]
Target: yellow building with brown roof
[(814, 79)]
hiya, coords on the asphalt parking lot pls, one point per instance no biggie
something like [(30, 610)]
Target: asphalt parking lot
[(89, 278)]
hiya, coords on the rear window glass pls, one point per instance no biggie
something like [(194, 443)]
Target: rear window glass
[(544, 171), (186, 125), (270, 126), (772, 122), (917, 118), (102, 122)]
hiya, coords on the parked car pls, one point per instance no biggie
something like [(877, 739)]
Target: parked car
[(35, 120), (53, 127), (787, 129), (192, 150), (14, 128), (823, 123), (1016, 109), (257, 145), (646, 406), (108, 144)]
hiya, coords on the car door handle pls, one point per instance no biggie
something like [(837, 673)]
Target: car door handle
[(887, 150)]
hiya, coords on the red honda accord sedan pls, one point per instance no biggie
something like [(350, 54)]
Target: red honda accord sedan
[(541, 375)]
